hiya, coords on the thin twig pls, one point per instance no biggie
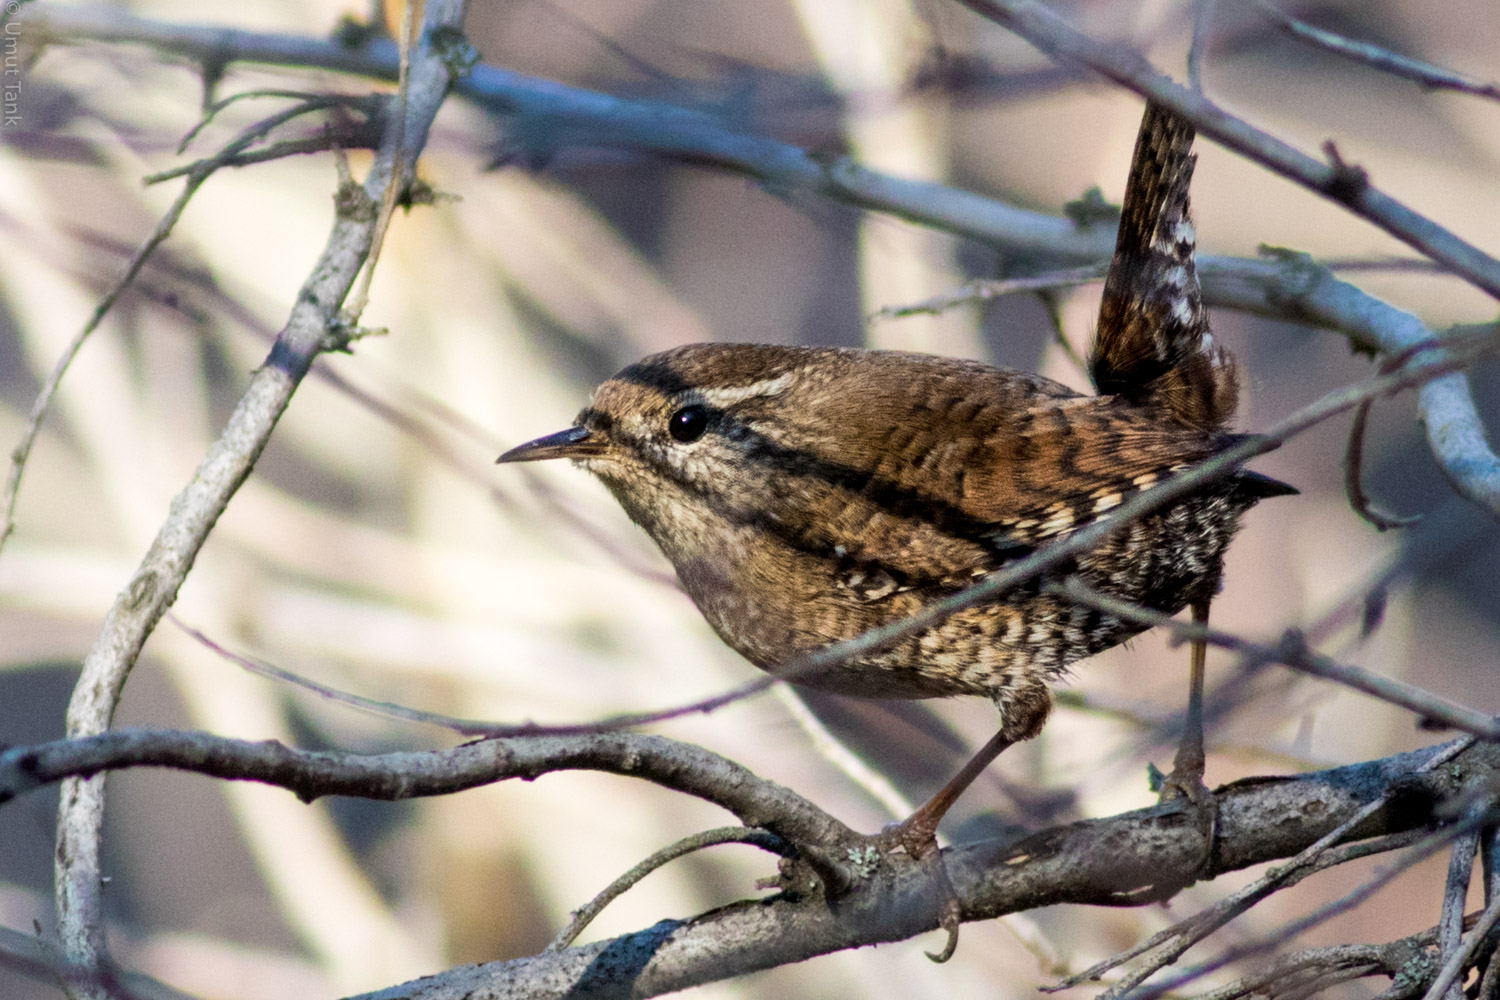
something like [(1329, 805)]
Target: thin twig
[(1489, 986), (1191, 930), (984, 289), (196, 175), (39, 958), (572, 117), (849, 763), (1354, 488), (306, 102), (1203, 19), (1447, 977), (1292, 651), (43, 402), (1451, 923), (1380, 58), (584, 915), (260, 130), (311, 329), (403, 168), (1354, 456), (462, 464), (1053, 35), (1417, 853), (1442, 533), (1446, 532), (590, 118), (383, 709), (354, 136), (1302, 973), (1052, 302)]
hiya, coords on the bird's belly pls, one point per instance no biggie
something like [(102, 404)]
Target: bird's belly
[(1163, 562)]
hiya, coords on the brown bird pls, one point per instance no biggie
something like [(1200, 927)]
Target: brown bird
[(806, 495)]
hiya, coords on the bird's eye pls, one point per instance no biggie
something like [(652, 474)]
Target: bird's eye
[(688, 423)]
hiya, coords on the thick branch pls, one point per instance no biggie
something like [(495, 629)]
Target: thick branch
[(1122, 859), (394, 776), (1261, 820), (1297, 288)]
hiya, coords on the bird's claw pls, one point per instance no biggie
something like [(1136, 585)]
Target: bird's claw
[(918, 839), (1190, 789), (950, 916)]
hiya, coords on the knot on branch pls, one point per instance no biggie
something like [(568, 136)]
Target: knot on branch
[(1090, 209), (458, 54), (352, 203), (1346, 181)]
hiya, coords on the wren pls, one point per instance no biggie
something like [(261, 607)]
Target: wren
[(806, 495)]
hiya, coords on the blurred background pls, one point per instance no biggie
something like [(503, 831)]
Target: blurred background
[(378, 549)]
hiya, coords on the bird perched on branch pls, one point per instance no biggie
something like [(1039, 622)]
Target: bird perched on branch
[(807, 495)]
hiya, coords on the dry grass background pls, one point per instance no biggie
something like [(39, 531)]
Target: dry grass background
[(406, 567)]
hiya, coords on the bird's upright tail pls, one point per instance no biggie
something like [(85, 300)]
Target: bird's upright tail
[(1153, 344)]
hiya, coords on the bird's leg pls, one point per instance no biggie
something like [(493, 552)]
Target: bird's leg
[(917, 836), (918, 832), (1186, 779), (1023, 710)]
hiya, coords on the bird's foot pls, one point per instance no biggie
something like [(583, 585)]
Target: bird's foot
[(1181, 784), (1185, 785), (917, 838)]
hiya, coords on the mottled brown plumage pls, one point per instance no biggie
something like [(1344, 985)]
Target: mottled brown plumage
[(806, 495)]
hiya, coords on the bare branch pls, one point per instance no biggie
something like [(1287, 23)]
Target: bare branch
[(1292, 651), (657, 961), (197, 174), (984, 290), (1450, 925), (313, 327), (868, 779), (1050, 33), (585, 915), (1448, 978), (1298, 291), (1303, 973), (33, 426), (1203, 19), (398, 776), (1111, 861), (1380, 58), (1423, 849), (1293, 286), (1173, 942), (38, 958), (1354, 488)]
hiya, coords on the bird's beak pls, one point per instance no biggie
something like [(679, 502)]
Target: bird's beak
[(575, 442)]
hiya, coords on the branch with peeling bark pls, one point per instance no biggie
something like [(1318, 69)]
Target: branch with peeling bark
[(1128, 859)]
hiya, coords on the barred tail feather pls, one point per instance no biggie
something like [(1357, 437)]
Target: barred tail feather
[(1153, 344)]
